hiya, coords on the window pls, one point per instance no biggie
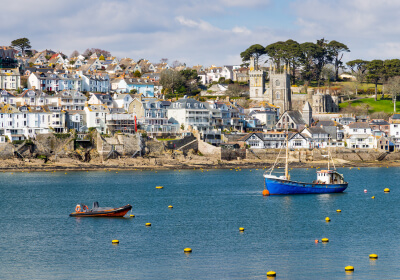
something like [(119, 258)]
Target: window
[(277, 83)]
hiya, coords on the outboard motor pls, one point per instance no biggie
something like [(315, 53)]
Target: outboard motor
[(95, 205)]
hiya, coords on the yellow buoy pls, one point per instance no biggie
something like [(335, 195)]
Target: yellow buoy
[(386, 190), (373, 197), (373, 256), (324, 240), (115, 241), (132, 216), (187, 250), (170, 206), (241, 229), (349, 268), (65, 173), (159, 187), (327, 219), (148, 224), (338, 210), (271, 274)]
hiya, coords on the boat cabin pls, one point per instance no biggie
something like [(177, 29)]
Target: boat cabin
[(329, 177)]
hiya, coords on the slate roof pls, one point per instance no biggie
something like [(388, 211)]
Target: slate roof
[(325, 123), (359, 125), (379, 122), (396, 117), (295, 116), (186, 101), (316, 130)]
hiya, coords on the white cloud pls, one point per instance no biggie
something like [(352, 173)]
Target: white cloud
[(370, 28)]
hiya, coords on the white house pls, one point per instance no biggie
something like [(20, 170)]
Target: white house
[(101, 99), (10, 79), (318, 135), (96, 117), (7, 98), (43, 81), (71, 100), (190, 112), (28, 121), (121, 100), (395, 129), (300, 141)]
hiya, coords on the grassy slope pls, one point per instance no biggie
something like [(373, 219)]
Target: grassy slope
[(384, 105)]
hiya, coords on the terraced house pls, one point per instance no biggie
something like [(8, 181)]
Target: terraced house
[(10, 79), (28, 121), (190, 112)]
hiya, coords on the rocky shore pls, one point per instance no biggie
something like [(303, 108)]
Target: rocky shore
[(162, 163)]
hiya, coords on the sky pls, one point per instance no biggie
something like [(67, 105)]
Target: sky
[(207, 32)]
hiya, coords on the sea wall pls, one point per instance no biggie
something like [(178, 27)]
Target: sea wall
[(209, 150)]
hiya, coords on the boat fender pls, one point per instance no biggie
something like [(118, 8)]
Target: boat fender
[(78, 208)]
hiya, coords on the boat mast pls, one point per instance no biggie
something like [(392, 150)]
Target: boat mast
[(287, 156), (329, 155)]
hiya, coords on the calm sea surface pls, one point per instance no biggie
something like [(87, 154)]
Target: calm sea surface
[(38, 240)]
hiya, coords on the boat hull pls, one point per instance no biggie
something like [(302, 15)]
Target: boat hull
[(280, 186), (115, 212)]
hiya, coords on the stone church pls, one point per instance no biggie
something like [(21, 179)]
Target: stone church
[(279, 93)]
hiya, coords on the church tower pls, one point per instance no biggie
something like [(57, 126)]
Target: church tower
[(278, 92), (257, 81)]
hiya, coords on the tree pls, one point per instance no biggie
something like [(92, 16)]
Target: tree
[(308, 53), (176, 63), (276, 53), (235, 90), (358, 68), (171, 79), (328, 73), (322, 57), (391, 68), (375, 68), (137, 74), (336, 51), (255, 51), (75, 53), (21, 44), (164, 60), (88, 52), (393, 87), (190, 80)]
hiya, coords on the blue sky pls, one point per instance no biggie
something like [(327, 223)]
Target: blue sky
[(201, 32)]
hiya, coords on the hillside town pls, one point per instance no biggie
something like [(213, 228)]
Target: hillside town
[(47, 92)]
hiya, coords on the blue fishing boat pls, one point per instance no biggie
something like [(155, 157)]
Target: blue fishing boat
[(328, 181)]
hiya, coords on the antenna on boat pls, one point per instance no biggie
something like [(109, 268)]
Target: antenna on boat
[(287, 156), (329, 155)]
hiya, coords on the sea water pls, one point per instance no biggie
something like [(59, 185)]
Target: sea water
[(38, 239)]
